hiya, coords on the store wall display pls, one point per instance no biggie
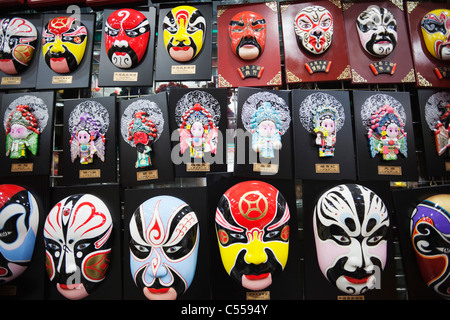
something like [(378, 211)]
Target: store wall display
[(263, 139), (184, 47), (321, 153), (65, 60), (144, 142), (428, 28), (128, 39), (314, 44), (380, 53), (248, 44), (199, 117), (27, 133), (398, 158), (90, 140)]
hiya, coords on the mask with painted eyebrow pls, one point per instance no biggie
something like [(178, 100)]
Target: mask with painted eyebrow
[(247, 32), (435, 26)]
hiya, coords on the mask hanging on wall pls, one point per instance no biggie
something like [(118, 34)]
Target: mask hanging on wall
[(19, 221), (435, 33), (247, 32), (437, 117), (77, 236), (252, 227), (350, 224), (164, 237), (18, 40)]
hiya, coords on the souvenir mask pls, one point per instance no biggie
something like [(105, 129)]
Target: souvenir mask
[(19, 220), (377, 29), (247, 32), (18, 39), (77, 235), (437, 116), (184, 30), (164, 236), (314, 29), (127, 33), (252, 227), (64, 44), (430, 230), (350, 223), (436, 33)]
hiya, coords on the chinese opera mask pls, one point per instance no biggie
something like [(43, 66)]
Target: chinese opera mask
[(142, 131), (435, 27), (64, 44), (19, 220), (247, 32), (350, 224), (127, 32), (430, 230), (184, 30), (252, 227), (18, 40), (164, 237), (377, 30), (314, 29), (77, 236)]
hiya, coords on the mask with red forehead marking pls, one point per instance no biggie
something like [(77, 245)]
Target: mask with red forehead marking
[(127, 32), (247, 32), (78, 244), (252, 227)]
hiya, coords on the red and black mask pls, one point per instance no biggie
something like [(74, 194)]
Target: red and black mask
[(247, 32)]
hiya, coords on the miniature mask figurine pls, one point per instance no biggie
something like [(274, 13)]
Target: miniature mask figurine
[(377, 30), (18, 40), (127, 32), (247, 31), (325, 130), (430, 227), (437, 116), (164, 237), (19, 220), (64, 44), (252, 228), (314, 29), (184, 31), (88, 123), (435, 32), (350, 224), (77, 237)]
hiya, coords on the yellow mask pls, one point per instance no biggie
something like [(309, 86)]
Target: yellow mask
[(435, 27)]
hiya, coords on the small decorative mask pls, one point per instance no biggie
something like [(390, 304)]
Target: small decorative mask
[(184, 30), (164, 236), (252, 227), (18, 40), (127, 32), (64, 44), (266, 116), (350, 224), (77, 235), (19, 220), (436, 33), (377, 29), (197, 114), (88, 123), (385, 119), (25, 119), (141, 126), (430, 229), (314, 29), (247, 32), (437, 116)]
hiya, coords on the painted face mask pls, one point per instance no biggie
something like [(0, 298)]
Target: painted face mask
[(350, 224), (247, 32), (127, 32), (314, 29), (77, 235), (377, 30), (164, 236), (64, 44), (19, 220), (435, 27), (184, 30), (430, 230), (252, 227), (18, 40)]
